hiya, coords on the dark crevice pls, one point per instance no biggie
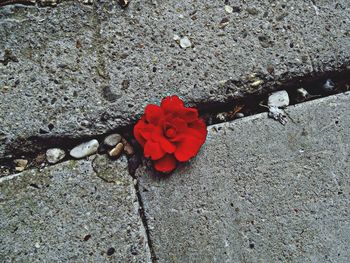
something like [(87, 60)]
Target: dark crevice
[(247, 104), (145, 223)]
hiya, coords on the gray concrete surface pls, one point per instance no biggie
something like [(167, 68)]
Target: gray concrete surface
[(259, 191), (76, 69), (70, 213)]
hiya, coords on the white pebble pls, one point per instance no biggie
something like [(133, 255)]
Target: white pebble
[(84, 149), (278, 99), (55, 155), (113, 139), (185, 42), (228, 9), (176, 37)]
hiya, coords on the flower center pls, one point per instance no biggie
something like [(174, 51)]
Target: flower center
[(170, 132)]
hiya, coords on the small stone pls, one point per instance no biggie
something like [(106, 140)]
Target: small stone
[(185, 43), (228, 9), (21, 164), (257, 83), (55, 155), (278, 99), (128, 149), (328, 85), (302, 94), (84, 149), (176, 37), (112, 140), (117, 150), (37, 245), (278, 115), (239, 115), (221, 116)]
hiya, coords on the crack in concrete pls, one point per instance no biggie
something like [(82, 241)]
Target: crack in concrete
[(30, 148), (144, 222)]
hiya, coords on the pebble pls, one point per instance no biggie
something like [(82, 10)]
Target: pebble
[(129, 150), (112, 140), (278, 99), (84, 149), (328, 85), (239, 115), (117, 150), (228, 9), (55, 155), (277, 114), (176, 37), (21, 164), (185, 42), (302, 93)]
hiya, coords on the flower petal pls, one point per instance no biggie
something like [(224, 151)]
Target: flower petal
[(188, 114), (157, 136), (153, 150), (198, 129), (187, 148), (171, 104), (165, 164), (153, 114), (137, 132)]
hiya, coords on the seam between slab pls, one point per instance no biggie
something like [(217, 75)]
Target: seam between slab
[(144, 222)]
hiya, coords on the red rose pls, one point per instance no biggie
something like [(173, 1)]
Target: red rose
[(170, 133)]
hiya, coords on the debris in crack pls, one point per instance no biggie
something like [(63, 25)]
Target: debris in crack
[(20, 164), (279, 99), (84, 149), (303, 94), (275, 102), (117, 150), (112, 139), (328, 86), (278, 115), (54, 155)]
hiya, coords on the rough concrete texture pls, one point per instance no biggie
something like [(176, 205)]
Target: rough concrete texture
[(75, 69), (67, 213), (259, 191)]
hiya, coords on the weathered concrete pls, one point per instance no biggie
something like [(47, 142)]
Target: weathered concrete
[(67, 213), (259, 191), (75, 69)]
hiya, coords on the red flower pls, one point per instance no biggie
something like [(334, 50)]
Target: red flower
[(170, 133)]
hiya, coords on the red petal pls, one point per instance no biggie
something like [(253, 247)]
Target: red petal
[(188, 114), (157, 136), (187, 148), (171, 103), (137, 132), (153, 114), (179, 124), (198, 129), (165, 164), (153, 150)]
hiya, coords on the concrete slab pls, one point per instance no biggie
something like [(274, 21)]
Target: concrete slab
[(69, 213), (75, 69), (259, 191)]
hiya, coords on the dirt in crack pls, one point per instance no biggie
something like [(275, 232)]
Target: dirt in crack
[(33, 149)]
